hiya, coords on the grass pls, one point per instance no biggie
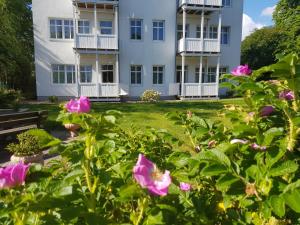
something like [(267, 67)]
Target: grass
[(142, 115)]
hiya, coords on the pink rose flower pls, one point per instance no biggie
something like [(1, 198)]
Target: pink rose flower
[(258, 147), (242, 70), (267, 110), (13, 175), (185, 186), (148, 176), (287, 95), (238, 141), (81, 105)]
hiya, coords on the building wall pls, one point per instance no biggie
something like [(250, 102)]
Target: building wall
[(49, 51), (145, 52)]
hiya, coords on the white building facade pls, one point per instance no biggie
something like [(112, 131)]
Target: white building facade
[(106, 49)]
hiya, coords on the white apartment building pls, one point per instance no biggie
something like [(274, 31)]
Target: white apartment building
[(107, 49)]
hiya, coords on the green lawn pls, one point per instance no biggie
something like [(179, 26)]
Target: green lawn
[(141, 115)]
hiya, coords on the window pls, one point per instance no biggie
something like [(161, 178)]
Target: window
[(226, 3), (136, 74), (158, 30), (213, 32), (197, 75), (62, 74), (222, 71), (158, 74), (83, 27), (198, 32), (61, 29), (225, 32), (136, 29), (107, 73), (86, 74), (180, 31), (70, 73), (68, 29), (106, 27), (210, 76), (179, 73)]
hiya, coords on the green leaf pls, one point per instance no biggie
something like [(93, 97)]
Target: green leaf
[(284, 168), (292, 186), (110, 119), (278, 205), (127, 192), (292, 199), (271, 134), (214, 170), (224, 182), (64, 191)]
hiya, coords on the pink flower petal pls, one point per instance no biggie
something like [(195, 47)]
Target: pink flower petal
[(184, 186)]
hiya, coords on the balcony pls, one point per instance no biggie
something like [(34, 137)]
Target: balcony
[(202, 3), (100, 4), (100, 90), (101, 42), (194, 45), (195, 89)]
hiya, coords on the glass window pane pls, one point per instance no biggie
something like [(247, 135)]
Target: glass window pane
[(139, 78)]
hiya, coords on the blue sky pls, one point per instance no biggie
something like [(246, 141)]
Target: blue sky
[(257, 13)]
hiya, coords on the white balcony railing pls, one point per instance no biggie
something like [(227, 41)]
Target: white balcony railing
[(88, 41), (211, 3), (195, 45), (113, 2), (105, 90), (194, 89)]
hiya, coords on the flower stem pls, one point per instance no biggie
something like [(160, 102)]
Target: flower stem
[(292, 135), (141, 214)]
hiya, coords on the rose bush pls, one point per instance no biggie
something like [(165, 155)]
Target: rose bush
[(243, 169)]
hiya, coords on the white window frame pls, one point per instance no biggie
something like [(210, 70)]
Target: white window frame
[(180, 31), (64, 70), (223, 70), (213, 31), (227, 5), (158, 28), (223, 33), (85, 70), (136, 28), (186, 73), (212, 72), (107, 70), (157, 72), (63, 29), (83, 27), (106, 27), (134, 71)]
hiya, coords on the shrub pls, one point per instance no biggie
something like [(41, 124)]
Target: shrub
[(53, 99), (32, 142), (244, 168), (10, 98), (150, 96), (27, 145)]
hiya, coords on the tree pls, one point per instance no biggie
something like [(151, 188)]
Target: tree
[(16, 45), (260, 48), (287, 18)]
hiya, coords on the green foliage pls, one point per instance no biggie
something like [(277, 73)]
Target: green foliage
[(45, 139), (232, 182), (16, 45), (260, 48), (53, 99), (9, 98), (28, 145), (150, 96), (287, 18), (32, 142)]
